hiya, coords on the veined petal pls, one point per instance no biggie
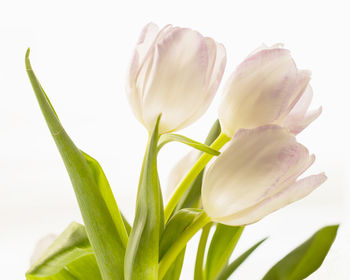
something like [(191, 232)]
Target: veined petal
[(177, 78), (294, 192), (299, 117), (258, 91), (175, 72), (255, 165)]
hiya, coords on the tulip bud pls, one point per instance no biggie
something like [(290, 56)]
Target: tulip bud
[(175, 72), (256, 175), (264, 89), (179, 171)]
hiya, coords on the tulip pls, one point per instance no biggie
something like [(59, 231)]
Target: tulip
[(256, 175), (175, 73), (179, 171), (265, 89)]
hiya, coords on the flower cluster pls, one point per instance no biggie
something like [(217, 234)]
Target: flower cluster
[(174, 76), (175, 73)]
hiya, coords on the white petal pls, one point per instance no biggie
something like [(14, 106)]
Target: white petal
[(179, 171), (177, 79), (41, 247), (294, 192), (255, 165), (299, 118), (145, 42), (259, 90)]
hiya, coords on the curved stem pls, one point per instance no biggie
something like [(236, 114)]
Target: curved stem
[(192, 174), (177, 247), (198, 269)]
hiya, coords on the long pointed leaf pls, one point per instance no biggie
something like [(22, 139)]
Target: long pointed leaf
[(142, 253), (224, 241), (306, 258), (229, 269), (69, 257), (101, 229)]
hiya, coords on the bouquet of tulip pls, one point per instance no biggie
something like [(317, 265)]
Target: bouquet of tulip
[(174, 75)]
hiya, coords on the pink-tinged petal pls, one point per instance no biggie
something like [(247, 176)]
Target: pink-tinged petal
[(217, 56), (259, 91), (301, 107), (176, 81), (255, 164), (299, 117), (218, 68), (145, 42), (263, 46), (301, 82), (294, 192)]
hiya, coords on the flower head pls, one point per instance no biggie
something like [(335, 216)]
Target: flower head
[(265, 89), (257, 174), (175, 72)]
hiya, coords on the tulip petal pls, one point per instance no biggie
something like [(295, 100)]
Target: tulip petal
[(294, 192), (263, 90), (216, 68), (177, 78), (299, 118), (256, 164), (257, 92), (179, 171)]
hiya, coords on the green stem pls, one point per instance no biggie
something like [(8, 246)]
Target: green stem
[(198, 269), (192, 174), (177, 247)]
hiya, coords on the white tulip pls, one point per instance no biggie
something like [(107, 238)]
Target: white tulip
[(179, 171), (264, 89), (175, 72), (257, 174)]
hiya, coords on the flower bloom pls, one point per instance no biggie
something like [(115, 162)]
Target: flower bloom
[(265, 89), (175, 72), (256, 175), (179, 171)]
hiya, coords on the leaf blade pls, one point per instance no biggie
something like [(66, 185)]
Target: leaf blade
[(227, 271), (306, 258), (100, 226), (224, 241), (142, 252), (69, 257)]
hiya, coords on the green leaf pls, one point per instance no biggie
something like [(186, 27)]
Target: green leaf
[(306, 258), (166, 138), (142, 253), (173, 230), (69, 257), (192, 196), (224, 241), (228, 270), (104, 235), (175, 227), (107, 194), (174, 271)]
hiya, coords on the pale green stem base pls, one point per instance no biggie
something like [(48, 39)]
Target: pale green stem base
[(198, 269), (177, 247), (192, 174)]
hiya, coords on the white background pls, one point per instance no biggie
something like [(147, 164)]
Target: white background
[(81, 51)]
